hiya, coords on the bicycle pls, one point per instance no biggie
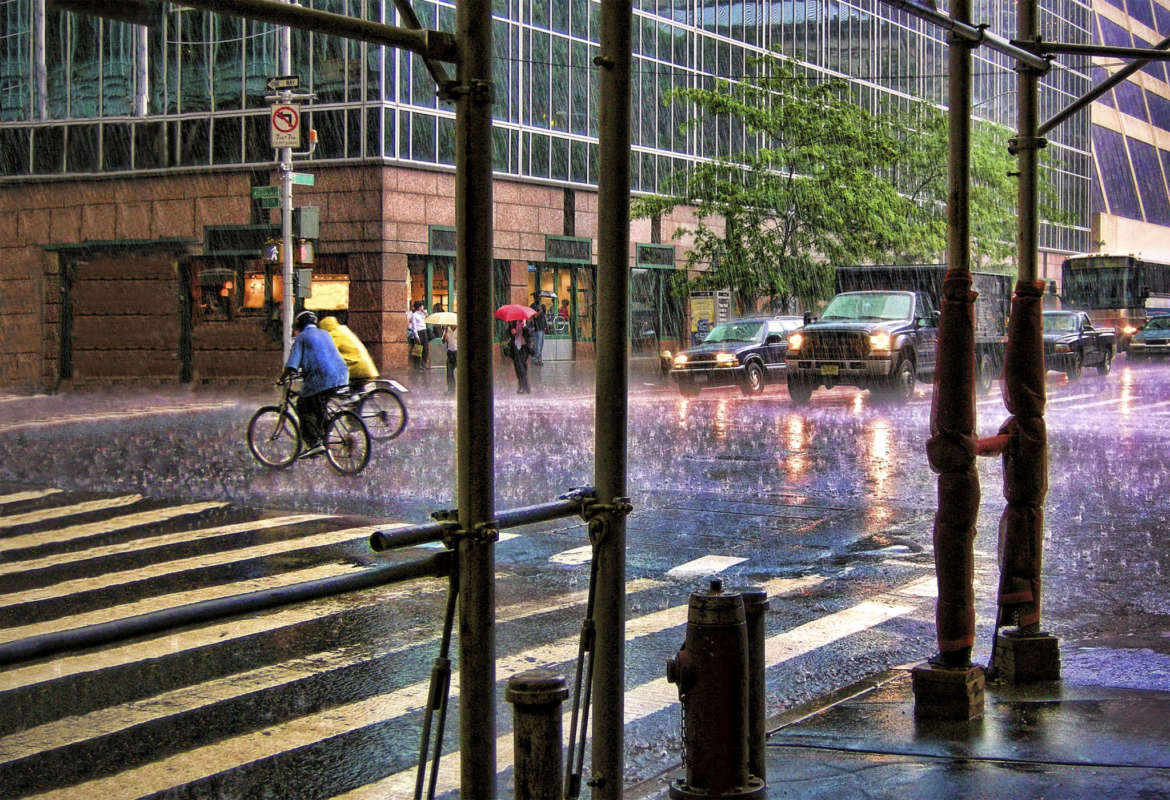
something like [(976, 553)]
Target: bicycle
[(274, 434), (379, 405)]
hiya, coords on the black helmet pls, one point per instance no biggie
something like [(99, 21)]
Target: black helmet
[(304, 318)]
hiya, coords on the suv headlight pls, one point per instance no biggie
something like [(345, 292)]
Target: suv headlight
[(680, 360), (1062, 348), (725, 359), (879, 341), (795, 340)]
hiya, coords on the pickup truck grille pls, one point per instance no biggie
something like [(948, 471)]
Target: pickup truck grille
[(836, 346)]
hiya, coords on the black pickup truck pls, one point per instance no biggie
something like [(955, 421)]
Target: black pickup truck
[(881, 332), (1072, 342)]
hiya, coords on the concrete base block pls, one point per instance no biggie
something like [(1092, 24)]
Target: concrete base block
[(948, 693), (1026, 658)]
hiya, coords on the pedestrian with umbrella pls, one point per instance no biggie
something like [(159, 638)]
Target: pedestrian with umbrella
[(517, 341), (446, 320)]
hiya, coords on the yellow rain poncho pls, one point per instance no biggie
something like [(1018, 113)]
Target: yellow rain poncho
[(353, 352)]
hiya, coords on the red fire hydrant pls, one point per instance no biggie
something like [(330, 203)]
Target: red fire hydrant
[(711, 671)]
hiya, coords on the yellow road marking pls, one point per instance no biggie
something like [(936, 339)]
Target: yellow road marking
[(657, 695), (149, 604), (231, 753), (17, 497), (67, 587), (74, 532), (105, 721), (151, 542), (216, 633), (57, 512)]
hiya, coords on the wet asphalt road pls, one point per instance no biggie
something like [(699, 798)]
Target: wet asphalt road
[(829, 506)]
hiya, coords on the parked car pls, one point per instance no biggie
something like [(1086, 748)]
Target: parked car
[(1152, 340), (1071, 342), (747, 352)]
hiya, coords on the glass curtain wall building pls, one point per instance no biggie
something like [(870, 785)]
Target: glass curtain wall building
[(1131, 136), (105, 97)]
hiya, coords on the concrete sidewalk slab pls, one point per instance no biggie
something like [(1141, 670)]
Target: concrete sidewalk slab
[(1047, 740)]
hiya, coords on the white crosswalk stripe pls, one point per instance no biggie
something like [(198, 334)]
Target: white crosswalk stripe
[(154, 570)]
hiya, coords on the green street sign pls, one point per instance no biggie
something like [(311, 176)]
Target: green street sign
[(302, 178), (270, 202), (263, 192)]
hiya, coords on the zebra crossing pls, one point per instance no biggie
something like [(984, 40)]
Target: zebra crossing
[(321, 699)]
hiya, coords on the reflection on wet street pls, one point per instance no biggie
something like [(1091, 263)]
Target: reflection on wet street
[(115, 505)]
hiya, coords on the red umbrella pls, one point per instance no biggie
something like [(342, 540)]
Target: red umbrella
[(514, 312)]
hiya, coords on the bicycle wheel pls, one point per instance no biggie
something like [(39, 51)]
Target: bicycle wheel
[(347, 443), (384, 414), (273, 437)]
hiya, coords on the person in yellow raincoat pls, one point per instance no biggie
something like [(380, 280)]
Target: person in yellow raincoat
[(353, 352)]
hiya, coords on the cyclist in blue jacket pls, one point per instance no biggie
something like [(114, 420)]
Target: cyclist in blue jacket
[(323, 369)]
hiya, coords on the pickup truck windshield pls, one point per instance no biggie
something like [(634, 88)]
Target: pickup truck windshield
[(735, 332), (1058, 323), (869, 306)]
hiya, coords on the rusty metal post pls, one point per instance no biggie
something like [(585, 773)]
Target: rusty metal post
[(611, 407), (951, 447), (1026, 456), (472, 91), (536, 697), (755, 603)]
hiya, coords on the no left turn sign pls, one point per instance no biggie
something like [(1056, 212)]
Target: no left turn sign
[(286, 125)]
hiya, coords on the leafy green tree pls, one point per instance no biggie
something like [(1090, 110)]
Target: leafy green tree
[(822, 182)]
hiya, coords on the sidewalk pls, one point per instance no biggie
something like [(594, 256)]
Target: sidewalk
[(552, 377), (1049, 740)]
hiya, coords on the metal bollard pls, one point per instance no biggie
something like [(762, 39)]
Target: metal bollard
[(536, 696), (711, 672), (755, 603)]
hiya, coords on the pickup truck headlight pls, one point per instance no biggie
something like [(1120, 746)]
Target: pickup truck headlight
[(795, 340), (1062, 348), (879, 341), (680, 360), (726, 359)]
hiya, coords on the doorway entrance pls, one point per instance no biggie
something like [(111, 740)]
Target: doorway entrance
[(567, 291)]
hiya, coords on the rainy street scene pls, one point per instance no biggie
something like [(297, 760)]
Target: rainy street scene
[(563, 399), (116, 506)]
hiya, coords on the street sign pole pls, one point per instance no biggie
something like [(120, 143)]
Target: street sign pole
[(286, 305)]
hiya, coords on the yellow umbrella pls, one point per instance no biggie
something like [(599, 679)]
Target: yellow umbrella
[(441, 318)]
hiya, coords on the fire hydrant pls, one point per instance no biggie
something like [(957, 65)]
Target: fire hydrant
[(711, 671)]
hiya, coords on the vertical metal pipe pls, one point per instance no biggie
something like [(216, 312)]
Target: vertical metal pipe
[(1026, 460), (755, 603), (474, 435), (951, 447), (613, 233), (1027, 147)]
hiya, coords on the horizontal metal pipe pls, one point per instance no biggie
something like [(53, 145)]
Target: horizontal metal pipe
[(569, 505), (432, 44), (409, 536), (543, 512), (972, 33), (220, 608), (1098, 90), (1146, 53)]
